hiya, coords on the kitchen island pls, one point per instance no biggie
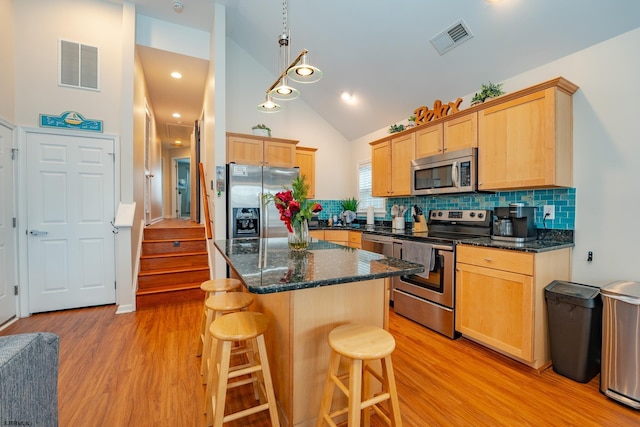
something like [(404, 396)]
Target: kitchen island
[(307, 294)]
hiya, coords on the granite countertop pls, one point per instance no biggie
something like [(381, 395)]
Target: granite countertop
[(267, 265), (532, 246)]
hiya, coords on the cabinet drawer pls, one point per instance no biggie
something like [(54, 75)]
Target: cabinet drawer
[(517, 262), (317, 234), (336, 235), (355, 237)]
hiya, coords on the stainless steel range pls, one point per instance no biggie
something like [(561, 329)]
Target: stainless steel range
[(429, 298)]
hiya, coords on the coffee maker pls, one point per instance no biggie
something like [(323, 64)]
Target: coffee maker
[(515, 223)]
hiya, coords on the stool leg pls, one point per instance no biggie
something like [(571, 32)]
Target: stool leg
[(329, 387), (268, 384), (212, 382), (355, 392), (220, 397), (207, 346), (366, 393), (203, 332), (394, 407)]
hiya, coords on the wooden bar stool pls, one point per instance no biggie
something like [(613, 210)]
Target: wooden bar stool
[(361, 344), (212, 287), (227, 330), (216, 306)]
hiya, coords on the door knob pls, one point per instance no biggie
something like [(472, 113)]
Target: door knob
[(38, 233)]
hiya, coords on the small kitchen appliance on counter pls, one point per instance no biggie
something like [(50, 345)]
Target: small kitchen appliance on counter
[(515, 223)]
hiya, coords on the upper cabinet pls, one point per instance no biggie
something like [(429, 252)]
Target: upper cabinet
[(526, 138), (461, 131), (306, 161), (391, 165), (258, 150)]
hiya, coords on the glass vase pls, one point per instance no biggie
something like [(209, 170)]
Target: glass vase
[(299, 238)]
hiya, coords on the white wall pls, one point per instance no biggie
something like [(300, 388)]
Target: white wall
[(606, 154), (39, 24), (7, 81), (247, 82)]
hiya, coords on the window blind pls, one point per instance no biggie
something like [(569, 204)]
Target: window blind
[(365, 186)]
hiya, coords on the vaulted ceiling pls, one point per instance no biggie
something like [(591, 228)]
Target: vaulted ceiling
[(381, 51)]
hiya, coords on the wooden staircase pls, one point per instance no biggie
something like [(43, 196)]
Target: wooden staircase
[(173, 264)]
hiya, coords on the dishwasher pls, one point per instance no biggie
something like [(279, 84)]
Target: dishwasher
[(384, 245)]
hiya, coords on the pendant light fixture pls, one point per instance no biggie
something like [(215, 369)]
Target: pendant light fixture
[(268, 106), (299, 70)]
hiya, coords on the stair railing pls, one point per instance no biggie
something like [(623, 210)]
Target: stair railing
[(205, 201)]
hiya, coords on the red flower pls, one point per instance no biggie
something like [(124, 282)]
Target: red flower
[(292, 204)]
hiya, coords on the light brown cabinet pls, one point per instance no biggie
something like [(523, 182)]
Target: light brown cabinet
[(391, 165), (527, 141), (258, 150), (500, 299), (456, 133), (306, 161), (349, 238)]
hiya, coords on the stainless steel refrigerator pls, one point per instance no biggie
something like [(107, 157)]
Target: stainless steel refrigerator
[(247, 215)]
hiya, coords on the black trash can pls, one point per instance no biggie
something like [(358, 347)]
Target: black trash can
[(574, 312)]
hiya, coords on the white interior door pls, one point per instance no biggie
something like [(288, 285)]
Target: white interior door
[(7, 232), (70, 206)]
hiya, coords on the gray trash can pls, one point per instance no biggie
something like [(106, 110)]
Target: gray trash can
[(620, 378), (574, 312)]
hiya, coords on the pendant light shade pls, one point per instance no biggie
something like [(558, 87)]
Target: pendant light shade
[(268, 106), (299, 70), (303, 72), (283, 91)]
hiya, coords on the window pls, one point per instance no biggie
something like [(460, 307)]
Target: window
[(78, 65), (365, 199)]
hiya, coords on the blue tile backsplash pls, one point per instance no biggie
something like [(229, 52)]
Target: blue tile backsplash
[(564, 200)]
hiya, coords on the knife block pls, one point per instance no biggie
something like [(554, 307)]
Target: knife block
[(420, 224)]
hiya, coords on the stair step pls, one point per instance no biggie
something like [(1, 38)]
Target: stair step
[(154, 247), (163, 278), (190, 292), (173, 261), (157, 233)]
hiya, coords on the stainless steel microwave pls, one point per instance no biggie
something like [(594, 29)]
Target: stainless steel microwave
[(452, 172)]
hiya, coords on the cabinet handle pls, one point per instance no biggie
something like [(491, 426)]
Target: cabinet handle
[(488, 259)]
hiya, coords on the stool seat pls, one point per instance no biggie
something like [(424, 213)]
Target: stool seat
[(220, 285), (239, 326), (362, 342), (229, 301)]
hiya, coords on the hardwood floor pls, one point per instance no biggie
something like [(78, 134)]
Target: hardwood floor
[(140, 369)]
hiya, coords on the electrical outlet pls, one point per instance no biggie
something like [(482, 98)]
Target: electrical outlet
[(549, 212)]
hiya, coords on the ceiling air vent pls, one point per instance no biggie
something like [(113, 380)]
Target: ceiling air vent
[(181, 132), (453, 36)]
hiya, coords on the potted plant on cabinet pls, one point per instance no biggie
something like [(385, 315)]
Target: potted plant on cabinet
[(261, 130), (487, 91)]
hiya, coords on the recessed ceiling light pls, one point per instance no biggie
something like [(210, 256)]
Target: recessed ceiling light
[(348, 97), (176, 115), (178, 142), (176, 75)]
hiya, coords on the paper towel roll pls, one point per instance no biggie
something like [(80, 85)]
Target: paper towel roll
[(370, 215)]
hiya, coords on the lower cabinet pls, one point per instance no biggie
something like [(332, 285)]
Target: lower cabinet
[(500, 299), (340, 237)]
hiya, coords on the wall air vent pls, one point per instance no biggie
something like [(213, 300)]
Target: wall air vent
[(78, 65), (453, 36)]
